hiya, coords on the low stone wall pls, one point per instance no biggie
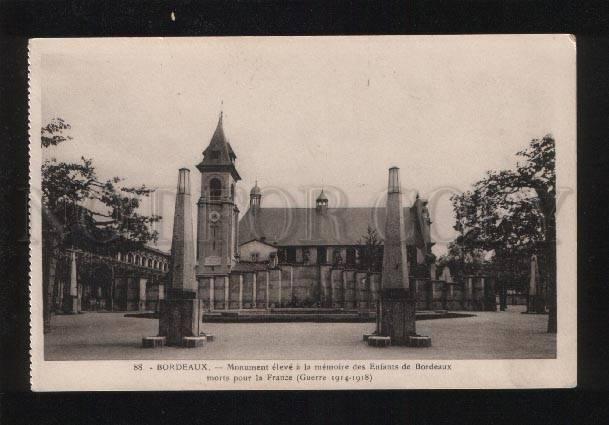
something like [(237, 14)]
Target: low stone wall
[(306, 286)]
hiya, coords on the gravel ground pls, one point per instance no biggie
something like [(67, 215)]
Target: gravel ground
[(488, 335)]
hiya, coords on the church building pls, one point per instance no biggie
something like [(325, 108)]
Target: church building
[(308, 245)]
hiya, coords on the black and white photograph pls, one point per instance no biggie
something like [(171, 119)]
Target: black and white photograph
[(303, 212)]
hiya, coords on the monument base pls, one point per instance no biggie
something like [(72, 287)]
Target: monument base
[(193, 341), (398, 313), (419, 341), (367, 336), (179, 318), (379, 341)]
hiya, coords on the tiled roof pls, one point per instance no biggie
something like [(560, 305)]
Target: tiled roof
[(308, 227)]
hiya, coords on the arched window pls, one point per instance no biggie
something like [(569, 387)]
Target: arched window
[(130, 258), (149, 262), (215, 188), (232, 191), (137, 260), (156, 264)]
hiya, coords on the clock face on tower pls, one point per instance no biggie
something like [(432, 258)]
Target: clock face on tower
[(214, 216)]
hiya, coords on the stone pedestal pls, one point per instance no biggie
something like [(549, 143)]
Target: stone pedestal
[(179, 317), (193, 341), (419, 341), (153, 341), (379, 341), (397, 316), (367, 336)]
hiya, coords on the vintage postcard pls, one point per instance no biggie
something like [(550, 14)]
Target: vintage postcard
[(371, 212)]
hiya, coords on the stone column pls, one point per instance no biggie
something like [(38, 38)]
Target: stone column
[(397, 312), (331, 288), (291, 284), (469, 293), (344, 285), (226, 293), (267, 294), (254, 288), (142, 303), (60, 290), (240, 292), (212, 295), (73, 305), (280, 285), (536, 302)]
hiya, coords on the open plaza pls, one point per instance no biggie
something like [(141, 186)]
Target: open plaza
[(487, 335)]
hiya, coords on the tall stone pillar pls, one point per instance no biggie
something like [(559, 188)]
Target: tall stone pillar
[(142, 302), (180, 311), (73, 304), (397, 312), (267, 293), (254, 288), (469, 293), (240, 302), (226, 293), (279, 288), (212, 295), (536, 302), (291, 284)]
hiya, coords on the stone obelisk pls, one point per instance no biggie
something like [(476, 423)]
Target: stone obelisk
[(179, 311), (73, 305), (398, 305), (536, 302)]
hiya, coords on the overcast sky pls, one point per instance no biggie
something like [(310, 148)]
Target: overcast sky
[(305, 112)]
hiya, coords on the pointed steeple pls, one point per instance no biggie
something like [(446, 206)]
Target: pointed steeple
[(219, 154)]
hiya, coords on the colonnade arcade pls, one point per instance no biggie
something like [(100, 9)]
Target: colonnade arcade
[(122, 282)]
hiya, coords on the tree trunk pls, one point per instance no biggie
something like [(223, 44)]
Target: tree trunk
[(552, 295), (48, 280), (550, 252), (49, 290)]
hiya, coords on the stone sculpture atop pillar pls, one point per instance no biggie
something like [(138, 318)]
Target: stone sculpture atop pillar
[(397, 304)]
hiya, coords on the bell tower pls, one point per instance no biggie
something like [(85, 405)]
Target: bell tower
[(217, 220)]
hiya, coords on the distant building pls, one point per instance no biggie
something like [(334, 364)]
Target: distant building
[(232, 252)]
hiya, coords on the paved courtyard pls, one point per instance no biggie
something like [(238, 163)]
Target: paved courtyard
[(488, 335)]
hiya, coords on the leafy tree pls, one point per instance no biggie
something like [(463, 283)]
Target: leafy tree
[(371, 251), (463, 259), (81, 211), (511, 213)]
